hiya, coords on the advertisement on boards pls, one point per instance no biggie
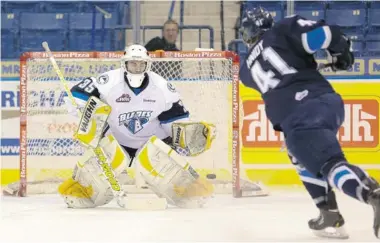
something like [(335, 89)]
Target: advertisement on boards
[(262, 154)]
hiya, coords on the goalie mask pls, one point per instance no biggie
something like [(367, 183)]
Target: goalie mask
[(135, 63)]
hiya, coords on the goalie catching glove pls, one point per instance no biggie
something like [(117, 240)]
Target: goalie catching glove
[(192, 138)]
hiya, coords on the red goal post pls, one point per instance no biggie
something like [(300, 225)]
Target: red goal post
[(36, 74)]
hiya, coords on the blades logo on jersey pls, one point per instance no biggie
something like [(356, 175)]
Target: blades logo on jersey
[(135, 120)]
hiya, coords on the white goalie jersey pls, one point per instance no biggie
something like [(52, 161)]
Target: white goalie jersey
[(137, 113)]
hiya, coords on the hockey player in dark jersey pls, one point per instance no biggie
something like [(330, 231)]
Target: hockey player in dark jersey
[(303, 105)]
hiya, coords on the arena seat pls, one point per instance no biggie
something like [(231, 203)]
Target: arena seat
[(374, 17), (9, 35), (346, 17), (373, 48), (373, 37), (313, 10), (20, 7), (311, 14), (276, 8), (63, 7), (80, 32), (36, 28)]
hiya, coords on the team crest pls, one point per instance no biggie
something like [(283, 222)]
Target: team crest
[(134, 121), (124, 98)]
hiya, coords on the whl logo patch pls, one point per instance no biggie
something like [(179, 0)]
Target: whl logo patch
[(360, 129), (134, 121), (124, 98)]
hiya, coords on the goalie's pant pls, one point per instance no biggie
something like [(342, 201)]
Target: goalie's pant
[(311, 136), (132, 151)]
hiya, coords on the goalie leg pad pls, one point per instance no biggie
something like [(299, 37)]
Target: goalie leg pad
[(169, 175), (75, 195), (88, 186)]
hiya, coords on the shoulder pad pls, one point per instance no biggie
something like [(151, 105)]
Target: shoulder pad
[(168, 90), (105, 81)]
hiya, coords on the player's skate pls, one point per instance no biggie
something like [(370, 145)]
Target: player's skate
[(329, 223), (374, 201)]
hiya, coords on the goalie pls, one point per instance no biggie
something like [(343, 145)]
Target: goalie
[(147, 123)]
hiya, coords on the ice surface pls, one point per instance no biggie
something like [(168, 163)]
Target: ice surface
[(281, 217)]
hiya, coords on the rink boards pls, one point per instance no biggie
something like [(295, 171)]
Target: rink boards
[(261, 155)]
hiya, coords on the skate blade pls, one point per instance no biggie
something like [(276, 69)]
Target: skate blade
[(332, 233), (376, 211)]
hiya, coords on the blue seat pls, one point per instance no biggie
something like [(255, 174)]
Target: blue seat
[(108, 6), (311, 14), (9, 36), (63, 7), (373, 36), (346, 17), (276, 8), (81, 31), (374, 4), (309, 5), (358, 46), (346, 4), (373, 47), (313, 10), (36, 28), (116, 8), (374, 17), (277, 15), (19, 7), (354, 34)]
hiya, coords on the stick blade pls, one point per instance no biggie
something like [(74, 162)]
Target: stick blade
[(146, 204)]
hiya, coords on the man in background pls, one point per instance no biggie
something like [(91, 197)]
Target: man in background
[(167, 41)]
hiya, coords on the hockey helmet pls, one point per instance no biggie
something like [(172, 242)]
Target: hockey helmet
[(255, 22), (135, 63)]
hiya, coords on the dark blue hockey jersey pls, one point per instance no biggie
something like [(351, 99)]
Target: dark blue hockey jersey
[(281, 65)]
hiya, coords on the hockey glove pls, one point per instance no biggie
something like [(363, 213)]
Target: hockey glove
[(343, 60)]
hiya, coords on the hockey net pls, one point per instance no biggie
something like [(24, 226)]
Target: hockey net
[(207, 81)]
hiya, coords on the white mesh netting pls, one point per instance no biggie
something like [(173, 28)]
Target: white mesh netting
[(205, 87)]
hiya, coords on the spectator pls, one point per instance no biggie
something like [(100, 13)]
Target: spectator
[(167, 42)]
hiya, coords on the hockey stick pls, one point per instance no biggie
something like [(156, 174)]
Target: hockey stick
[(118, 192)]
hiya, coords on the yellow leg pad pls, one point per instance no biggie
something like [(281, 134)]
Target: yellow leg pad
[(200, 188), (73, 188), (118, 158)]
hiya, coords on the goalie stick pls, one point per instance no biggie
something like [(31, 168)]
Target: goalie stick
[(118, 192)]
